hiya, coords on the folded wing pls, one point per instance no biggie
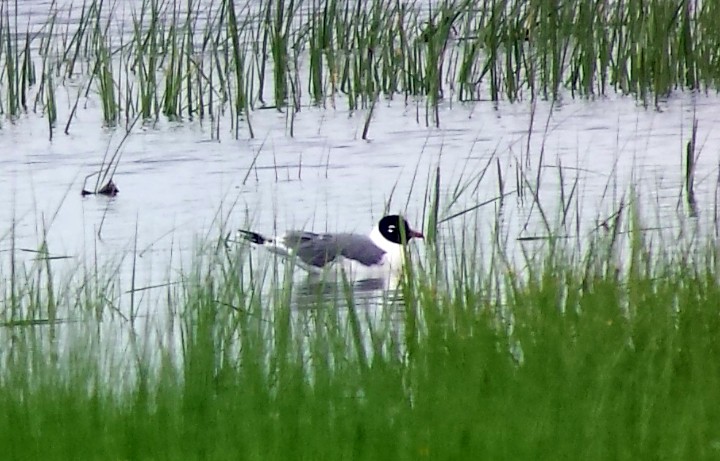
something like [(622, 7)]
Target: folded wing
[(320, 249), (360, 248)]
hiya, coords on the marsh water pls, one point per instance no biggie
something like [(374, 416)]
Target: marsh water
[(186, 181), (177, 184)]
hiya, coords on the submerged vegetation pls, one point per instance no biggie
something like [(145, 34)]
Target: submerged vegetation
[(608, 354), (205, 59)]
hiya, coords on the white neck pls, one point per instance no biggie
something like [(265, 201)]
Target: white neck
[(394, 253)]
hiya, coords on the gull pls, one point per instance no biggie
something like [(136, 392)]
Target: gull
[(378, 254)]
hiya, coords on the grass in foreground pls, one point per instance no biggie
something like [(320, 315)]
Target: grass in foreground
[(567, 358)]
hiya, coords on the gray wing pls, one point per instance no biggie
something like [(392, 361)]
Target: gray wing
[(312, 249), (359, 248), (320, 249)]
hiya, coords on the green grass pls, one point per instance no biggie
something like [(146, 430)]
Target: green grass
[(609, 354), (185, 59)]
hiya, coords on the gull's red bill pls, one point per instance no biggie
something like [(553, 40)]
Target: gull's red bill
[(415, 234)]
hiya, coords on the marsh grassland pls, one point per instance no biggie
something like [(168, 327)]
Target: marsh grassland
[(588, 340), (609, 354)]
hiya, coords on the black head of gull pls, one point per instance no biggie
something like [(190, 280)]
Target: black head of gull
[(380, 252), (395, 229)]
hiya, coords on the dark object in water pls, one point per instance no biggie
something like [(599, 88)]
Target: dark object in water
[(109, 189)]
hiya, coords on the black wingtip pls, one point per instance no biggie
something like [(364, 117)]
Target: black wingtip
[(252, 237)]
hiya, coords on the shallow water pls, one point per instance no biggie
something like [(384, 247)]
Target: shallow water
[(176, 183), (180, 184)]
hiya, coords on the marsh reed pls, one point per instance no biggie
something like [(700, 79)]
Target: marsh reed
[(184, 59)]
